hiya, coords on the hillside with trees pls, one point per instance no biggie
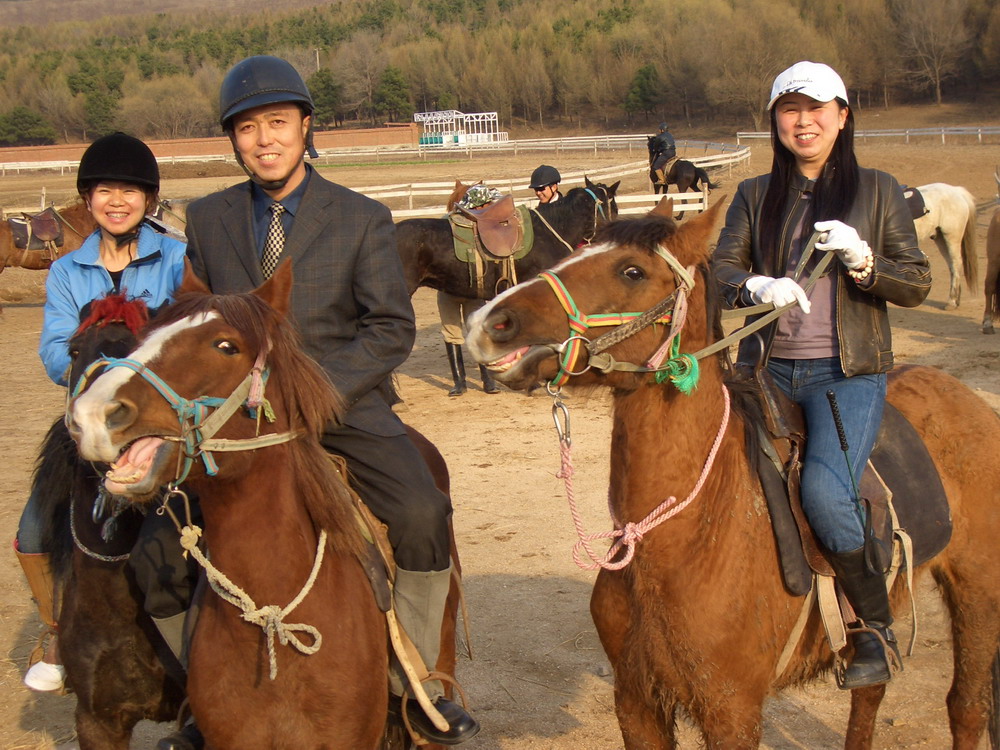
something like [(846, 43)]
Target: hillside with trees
[(602, 64)]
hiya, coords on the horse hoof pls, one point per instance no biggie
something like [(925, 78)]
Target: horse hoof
[(988, 330)]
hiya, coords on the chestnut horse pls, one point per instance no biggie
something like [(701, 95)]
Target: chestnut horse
[(112, 652), (991, 287), (312, 677), (77, 224), (694, 615), (427, 249)]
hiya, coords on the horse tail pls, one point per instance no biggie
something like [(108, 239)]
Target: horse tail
[(969, 259), (53, 483), (703, 176)]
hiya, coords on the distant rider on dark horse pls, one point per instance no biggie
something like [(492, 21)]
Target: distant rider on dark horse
[(663, 151)]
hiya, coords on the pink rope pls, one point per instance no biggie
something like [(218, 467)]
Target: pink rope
[(631, 533), (676, 324)]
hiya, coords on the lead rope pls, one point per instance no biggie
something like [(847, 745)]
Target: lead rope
[(632, 533), (269, 618)]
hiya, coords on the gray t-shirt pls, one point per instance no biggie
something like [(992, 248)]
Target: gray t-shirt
[(812, 336)]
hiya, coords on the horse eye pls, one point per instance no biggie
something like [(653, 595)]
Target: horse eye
[(227, 347), (74, 353), (634, 273)]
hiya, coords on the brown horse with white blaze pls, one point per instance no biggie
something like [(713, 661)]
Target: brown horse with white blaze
[(698, 618), (301, 660)]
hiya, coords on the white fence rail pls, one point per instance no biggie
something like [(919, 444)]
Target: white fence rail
[(905, 133), (595, 143)]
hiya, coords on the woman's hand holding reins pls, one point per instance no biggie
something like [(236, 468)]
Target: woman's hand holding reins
[(843, 239), (779, 292)]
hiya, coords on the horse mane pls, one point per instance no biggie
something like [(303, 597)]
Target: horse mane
[(309, 398), (115, 308)]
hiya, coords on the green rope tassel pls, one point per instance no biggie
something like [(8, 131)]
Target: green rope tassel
[(680, 369)]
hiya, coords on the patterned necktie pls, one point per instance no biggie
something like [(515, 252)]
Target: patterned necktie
[(274, 243)]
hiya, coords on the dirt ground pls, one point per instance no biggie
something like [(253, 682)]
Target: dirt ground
[(538, 677)]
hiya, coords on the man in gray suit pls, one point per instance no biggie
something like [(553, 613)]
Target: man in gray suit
[(351, 307)]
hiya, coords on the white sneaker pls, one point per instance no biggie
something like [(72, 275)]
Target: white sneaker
[(45, 677)]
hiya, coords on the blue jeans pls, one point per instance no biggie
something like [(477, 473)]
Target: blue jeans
[(828, 496)]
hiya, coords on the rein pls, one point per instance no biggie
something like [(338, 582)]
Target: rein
[(680, 368), (269, 618)]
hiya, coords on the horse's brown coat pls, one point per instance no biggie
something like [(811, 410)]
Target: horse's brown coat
[(78, 223), (699, 618)]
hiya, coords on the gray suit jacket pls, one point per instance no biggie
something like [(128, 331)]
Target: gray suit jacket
[(349, 298)]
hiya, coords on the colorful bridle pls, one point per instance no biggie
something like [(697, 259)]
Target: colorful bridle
[(198, 423), (681, 369)]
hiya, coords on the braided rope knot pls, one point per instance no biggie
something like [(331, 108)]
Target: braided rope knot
[(631, 534), (271, 620)]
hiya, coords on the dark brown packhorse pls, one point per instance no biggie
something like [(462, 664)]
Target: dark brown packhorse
[(427, 249), (690, 604), (301, 659)]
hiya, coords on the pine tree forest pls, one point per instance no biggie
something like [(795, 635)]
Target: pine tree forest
[(557, 63)]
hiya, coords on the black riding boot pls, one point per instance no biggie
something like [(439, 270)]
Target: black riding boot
[(489, 384), (457, 368), (868, 596)]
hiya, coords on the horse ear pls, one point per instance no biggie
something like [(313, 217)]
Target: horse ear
[(191, 283), (696, 232), (614, 188), (277, 290), (587, 182), (664, 208)]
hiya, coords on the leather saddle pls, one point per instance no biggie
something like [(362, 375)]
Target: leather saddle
[(900, 479), (37, 231), (915, 202), (498, 226)]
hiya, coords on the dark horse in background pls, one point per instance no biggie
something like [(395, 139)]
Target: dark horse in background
[(112, 652), (427, 249), (684, 174)]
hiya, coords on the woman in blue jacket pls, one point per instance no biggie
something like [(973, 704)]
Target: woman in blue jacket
[(119, 180)]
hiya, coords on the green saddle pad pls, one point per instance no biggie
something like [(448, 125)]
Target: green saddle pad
[(463, 233)]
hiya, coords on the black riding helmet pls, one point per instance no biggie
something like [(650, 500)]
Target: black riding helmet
[(544, 176), (121, 158), (259, 80)]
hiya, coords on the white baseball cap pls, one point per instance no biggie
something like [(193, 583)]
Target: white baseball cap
[(815, 80)]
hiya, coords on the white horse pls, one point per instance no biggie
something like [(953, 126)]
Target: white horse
[(951, 222)]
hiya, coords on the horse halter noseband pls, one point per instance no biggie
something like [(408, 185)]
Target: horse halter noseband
[(671, 310), (198, 424)]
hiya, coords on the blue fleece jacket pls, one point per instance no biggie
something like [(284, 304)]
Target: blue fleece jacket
[(77, 278)]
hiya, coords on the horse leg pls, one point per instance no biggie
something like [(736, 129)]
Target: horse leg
[(101, 734), (861, 722), (642, 725), (975, 631), (953, 255)]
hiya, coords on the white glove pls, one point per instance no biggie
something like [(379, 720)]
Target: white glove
[(781, 291), (844, 241)]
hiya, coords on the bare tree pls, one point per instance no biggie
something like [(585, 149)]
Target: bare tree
[(359, 64), (934, 40)]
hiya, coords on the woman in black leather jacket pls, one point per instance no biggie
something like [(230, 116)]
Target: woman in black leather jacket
[(835, 337)]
